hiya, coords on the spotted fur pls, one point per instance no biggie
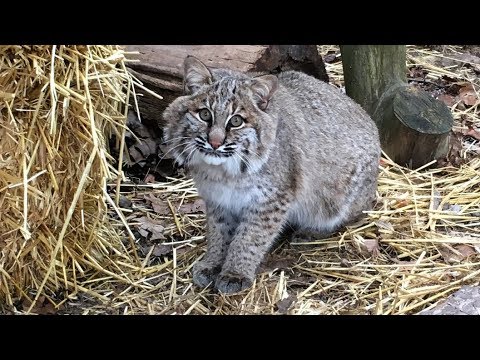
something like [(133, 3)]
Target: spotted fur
[(305, 155)]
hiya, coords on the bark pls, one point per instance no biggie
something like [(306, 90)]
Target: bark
[(414, 128)]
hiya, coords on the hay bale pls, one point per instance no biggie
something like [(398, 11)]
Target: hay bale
[(58, 107)]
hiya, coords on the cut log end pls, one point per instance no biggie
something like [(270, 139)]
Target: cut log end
[(415, 128), (417, 110)]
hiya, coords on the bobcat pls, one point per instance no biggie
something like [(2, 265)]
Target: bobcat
[(265, 152)]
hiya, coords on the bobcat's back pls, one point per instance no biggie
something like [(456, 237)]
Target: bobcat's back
[(335, 146)]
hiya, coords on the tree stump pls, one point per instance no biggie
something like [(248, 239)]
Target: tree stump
[(160, 67), (414, 128)]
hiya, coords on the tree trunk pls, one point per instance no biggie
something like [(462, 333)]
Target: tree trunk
[(160, 67), (413, 126)]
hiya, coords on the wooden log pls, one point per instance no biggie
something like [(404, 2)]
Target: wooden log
[(414, 128), (160, 67), (370, 70)]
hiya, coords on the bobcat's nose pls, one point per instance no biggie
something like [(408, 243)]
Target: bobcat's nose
[(215, 144), (216, 138)]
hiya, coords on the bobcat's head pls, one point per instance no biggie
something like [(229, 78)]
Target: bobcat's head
[(222, 121)]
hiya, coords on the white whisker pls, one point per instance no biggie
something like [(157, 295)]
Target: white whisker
[(190, 156), (245, 160), (251, 152), (177, 138), (187, 148), (176, 146)]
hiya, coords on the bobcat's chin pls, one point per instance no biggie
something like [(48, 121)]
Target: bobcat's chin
[(213, 160)]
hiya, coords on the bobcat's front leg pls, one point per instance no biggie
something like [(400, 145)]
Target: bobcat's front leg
[(253, 238), (220, 230)]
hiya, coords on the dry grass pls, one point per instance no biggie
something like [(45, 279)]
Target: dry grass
[(419, 244), (58, 107)]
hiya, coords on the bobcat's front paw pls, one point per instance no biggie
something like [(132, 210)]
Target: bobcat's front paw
[(205, 273), (232, 283)]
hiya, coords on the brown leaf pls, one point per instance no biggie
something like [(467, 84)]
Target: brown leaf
[(124, 202), (136, 126), (384, 225), (457, 253), (157, 235), (383, 161), (454, 208), (152, 226), (416, 72), (473, 133), (191, 208), (284, 305), (147, 147), (161, 250), (143, 232), (150, 178), (331, 57), (135, 155), (345, 263), (477, 248), (470, 61), (371, 245), (143, 148), (159, 206), (449, 100), (47, 309), (454, 157), (41, 307), (401, 203), (367, 247), (465, 250), (447, 255), (152, 145), (468, 95)]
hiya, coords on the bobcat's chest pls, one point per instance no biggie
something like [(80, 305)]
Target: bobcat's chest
[(229, 197)]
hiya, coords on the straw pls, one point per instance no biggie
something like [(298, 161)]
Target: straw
[(419, 244)]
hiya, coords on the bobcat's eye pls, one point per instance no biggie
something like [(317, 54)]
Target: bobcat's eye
[(236, 121), (205, 115)]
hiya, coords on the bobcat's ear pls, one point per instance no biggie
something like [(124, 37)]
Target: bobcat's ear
[(263, 87), (195, 75)]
